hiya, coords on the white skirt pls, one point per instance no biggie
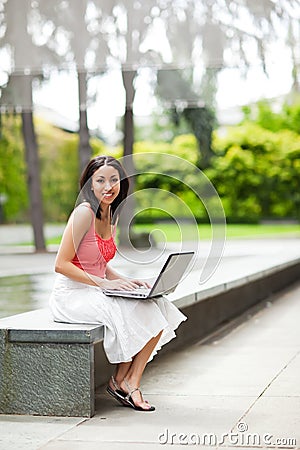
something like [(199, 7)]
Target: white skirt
[(128, 323)]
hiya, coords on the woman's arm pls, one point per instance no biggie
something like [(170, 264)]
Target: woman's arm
[(112, 274), (77, 226)]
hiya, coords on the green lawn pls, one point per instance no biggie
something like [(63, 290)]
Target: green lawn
[(172, 232)]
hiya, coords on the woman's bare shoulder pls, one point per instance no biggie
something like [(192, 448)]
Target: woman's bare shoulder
[(82, 214), (84, 205)]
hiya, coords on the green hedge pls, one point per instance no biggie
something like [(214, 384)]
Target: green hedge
[(258, 174)]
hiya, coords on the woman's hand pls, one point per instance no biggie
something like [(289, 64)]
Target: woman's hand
[(112, 275), (140, 283), (121, 284)]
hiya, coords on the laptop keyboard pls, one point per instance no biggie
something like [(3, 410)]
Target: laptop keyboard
[(137, 291), (140, 291)]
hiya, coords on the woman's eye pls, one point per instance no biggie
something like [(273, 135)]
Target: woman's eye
[(115, 180)]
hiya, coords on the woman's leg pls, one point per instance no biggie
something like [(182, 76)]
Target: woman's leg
[(136, 369), (121, 371), (123, 368)]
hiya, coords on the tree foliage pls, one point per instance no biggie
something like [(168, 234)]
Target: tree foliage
[(12, 170), (258, 174), (287, 118), (255, 170)]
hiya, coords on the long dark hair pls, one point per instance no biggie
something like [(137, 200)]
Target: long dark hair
[(86, 193)]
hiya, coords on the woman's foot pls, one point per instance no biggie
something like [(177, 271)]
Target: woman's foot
[(134, 397)]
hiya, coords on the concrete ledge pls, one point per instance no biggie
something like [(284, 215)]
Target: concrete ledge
[(289, 269), (49, 368), (38, 326), (208, 309)]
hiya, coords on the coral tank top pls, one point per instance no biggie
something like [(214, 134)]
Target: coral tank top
[(94, 252)]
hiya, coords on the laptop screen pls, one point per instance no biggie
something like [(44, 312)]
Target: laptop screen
[(171, 273)]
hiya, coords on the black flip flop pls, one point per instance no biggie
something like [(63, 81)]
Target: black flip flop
[(118, 395)]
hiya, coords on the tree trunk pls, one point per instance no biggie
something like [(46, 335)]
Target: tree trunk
[(201, 121), (33, 177), (127, 215), (84, 150)]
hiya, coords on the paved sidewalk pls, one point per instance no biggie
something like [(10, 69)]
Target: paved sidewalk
[(240, 386)]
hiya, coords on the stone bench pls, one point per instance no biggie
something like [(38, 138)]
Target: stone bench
[(49, 368)]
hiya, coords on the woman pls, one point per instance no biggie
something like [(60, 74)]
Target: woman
[(134, 329)]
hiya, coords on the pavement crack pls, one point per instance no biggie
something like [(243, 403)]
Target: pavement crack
[(265, 389)]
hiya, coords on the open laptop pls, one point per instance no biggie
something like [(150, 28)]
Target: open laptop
[(166, 281)]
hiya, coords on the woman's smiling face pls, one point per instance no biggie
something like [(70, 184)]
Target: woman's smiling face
[(106, 184)]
